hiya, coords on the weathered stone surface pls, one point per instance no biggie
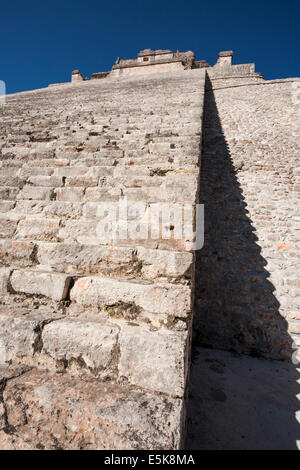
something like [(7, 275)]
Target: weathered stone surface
[(89, 341), (53, 285), (174, 300), (7, 227), (147, 263), (33, 192), (165, 263), (68, 257), (80, 231), (159, 364), (38, 229), (20, 332), (69, 194), (17, 252), (58, 412), (44, 181)]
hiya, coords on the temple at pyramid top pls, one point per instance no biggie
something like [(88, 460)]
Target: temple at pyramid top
[(150, 61)]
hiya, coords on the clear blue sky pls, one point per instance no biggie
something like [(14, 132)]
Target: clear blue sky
[(42, 42)]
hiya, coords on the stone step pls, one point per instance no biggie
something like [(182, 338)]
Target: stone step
[(37, 282), (8, 225), (17, 253), (181, 178), (38, 228), (77, 259), (92, 344), (159, 297), (106, 347), (72, 153), (60, 209), (103, 324), (113, 260), (57, 411), (90, 171), (75, 203), (9, 193), (92, 230), (6, 206), (49, 187), (37, 162), (139, 192), (41, 193)]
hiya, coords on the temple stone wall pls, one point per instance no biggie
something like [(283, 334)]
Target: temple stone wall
[(148, 68), (248, 271)]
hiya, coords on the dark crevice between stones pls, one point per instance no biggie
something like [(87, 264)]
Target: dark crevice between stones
[(8, 428)]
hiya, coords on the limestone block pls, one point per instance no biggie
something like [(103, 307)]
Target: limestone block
[(38, 229), (11, 180), (170, 194), (164, 298), (17, 252), (6, 206), (34, 192), (51, 163), (81, 231), (50, 208), (160, 362), (121, 170), (294, 327), (71, 413), (8, 193), (165, 263), (63, 209), (69, 194), (7, 227), (29, 171), (53, 285), (159, 148), (20, 331), (94, 161), (89, 340), (52, 181), (71, 171), (30, 207), (102, 194), (86, 181), (64, 256)]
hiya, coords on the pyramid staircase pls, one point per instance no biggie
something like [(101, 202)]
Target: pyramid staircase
[(95, 332)]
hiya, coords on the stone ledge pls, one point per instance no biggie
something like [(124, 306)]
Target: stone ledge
[(60, 412)]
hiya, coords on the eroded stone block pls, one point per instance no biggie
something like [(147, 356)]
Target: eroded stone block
[(53, 285), (38, 228), (90, 341), (154, 360), (58, 411), (174, 300), (20, 332)]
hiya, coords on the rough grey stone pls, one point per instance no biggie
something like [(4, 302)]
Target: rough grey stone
[(53, 285)]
